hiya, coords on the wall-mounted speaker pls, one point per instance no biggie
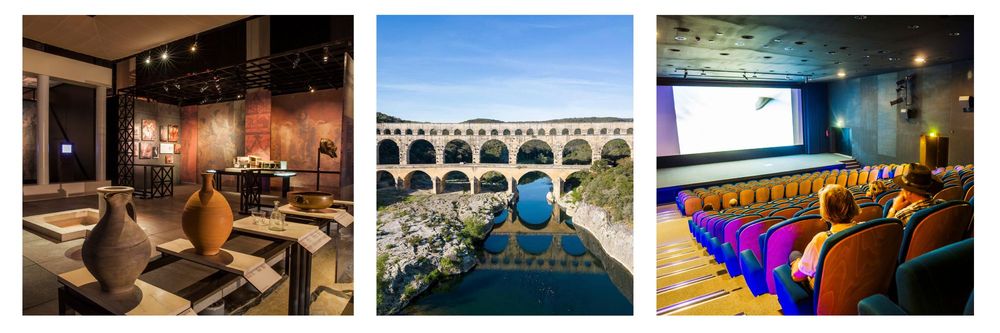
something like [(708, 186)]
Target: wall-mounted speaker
[(933, 151)]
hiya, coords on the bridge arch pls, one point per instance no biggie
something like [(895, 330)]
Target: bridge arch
[(565, 131), (418, 180), (421, 152), (577, 132), (534, 152), (618, 131), (388, 152), (482, 132), (384, 179), (604, 131), (494, 151), (386, 132), (506, 132), (552, 131), (590, 131), (397, 132), (577, 152), (456, 132), (530, 132), (468, 132), (574, 180), (518, 132), (457, 151), (494, 132), (493, 181), (409, 131), (445, 132), (534, 244), (628, 131), (615, 149), (456, 181), (434, 131)]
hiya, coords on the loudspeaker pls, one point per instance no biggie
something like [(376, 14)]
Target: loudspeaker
[(933, 151)]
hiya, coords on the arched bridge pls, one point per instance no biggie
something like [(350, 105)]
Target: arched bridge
[(404, 149)]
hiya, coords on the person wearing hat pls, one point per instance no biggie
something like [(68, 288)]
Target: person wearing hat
[(917, 190)]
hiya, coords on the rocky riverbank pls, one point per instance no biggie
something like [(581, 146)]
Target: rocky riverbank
[(427, 237), (615, 238)]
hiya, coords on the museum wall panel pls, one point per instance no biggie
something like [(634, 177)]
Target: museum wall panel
[(189, 136), (29, 128), (298, 122), (258, 123), (72, 119), (220, 135), (154, 123)]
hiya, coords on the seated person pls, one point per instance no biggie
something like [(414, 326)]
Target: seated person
[(734, 203), (917, 188), (876, 188), (837, 207)]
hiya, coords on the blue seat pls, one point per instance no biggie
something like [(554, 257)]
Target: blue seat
[(939, 282), (853, 264), (776, 244), (748, 240), (887, 207), (934, 227)]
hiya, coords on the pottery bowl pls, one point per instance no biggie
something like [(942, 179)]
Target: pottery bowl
[(310, 200)]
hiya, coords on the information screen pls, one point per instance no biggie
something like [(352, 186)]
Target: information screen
[(700, 119)]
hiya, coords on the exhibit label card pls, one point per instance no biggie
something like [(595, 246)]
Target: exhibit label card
[(314, 240)]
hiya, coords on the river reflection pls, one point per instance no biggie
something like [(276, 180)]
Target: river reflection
[(534, 262)]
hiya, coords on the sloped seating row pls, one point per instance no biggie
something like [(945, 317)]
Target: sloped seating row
[(756, 243), (766, 190)]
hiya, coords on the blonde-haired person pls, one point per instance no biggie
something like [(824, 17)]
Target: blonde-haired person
[(875, 188), (837, 207)]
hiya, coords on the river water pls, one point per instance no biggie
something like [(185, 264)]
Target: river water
[(533, 263)]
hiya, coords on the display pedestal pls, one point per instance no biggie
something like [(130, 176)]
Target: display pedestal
[(80, 289), (254, 269), (308, 239), (342, 217), (65, 225)]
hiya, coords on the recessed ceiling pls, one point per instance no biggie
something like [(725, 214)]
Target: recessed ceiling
[(113, 37), (776, 48)]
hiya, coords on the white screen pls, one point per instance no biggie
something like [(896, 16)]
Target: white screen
[(713, 119)]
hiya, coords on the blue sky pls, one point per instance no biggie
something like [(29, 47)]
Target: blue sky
[(511, 68)]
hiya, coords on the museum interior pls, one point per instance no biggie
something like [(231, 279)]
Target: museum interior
[(187, 165), (815, 165)]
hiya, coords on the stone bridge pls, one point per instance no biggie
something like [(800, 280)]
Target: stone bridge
[(403, 137), (554, 257), (396, 141)]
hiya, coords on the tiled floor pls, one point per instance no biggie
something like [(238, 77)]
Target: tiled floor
[(43, 258)]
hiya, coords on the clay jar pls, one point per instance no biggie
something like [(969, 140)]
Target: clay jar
[(102, 205), (117, 250), (207, 219)]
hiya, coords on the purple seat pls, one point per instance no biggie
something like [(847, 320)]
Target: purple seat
[(783, 238)]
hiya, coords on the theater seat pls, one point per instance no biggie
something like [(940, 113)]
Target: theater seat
[(762, 194), (969, 189), (948, 193), (778, 242), (778, 192), (746, 197), (934, 227), (748, 246), (886, 207), (817, 184), (869, 211), (726, 250), (939, 282), (863, 177), (884, 197), (787, 212), (805, 186), (842, 179), (808, 211), (791, 189), (853, 264), (852, 178)]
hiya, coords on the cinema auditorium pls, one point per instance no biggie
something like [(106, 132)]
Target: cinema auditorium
[(815, 165)]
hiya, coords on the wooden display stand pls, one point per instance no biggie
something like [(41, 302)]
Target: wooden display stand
[(254, 269), (80, 290)]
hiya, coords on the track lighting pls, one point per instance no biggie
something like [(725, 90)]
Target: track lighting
[(295, 63)]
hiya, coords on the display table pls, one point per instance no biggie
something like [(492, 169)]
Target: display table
[(236, 172), (307, 239), (342, 217), (254, 269), (81, 292)]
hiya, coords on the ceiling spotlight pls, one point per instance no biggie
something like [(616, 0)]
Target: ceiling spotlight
[(841, 74), (680, 38), (860, 17), (165, 88), (740, 43), (789, 48), (148, 60), (919, 60), (954, 34), (913, 27), (203, 88), (755, 75), (788, 78), (326, 54), (311, 89), (239, 96), (164, 56), (194, 47), (177, 85), (718, 34), (777, 40)]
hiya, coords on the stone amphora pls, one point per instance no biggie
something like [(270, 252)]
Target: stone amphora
[(117, 250)]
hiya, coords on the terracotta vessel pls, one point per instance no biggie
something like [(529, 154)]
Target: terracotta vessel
[(117, 250), (310, 200), (102, 205), (207, 219)]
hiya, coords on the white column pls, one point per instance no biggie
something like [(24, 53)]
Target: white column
[(101, 132), (42, 135)]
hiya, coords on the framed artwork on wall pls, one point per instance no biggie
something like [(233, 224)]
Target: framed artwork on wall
[(166, 148), (149, 129), (164, 129), (169, 159), (146, 150), (173, 133), (177, 148)]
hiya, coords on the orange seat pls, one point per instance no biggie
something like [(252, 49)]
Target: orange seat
[(805, 186), (863, 177), (953, 192), (777, 192), (762, 194), (746, 197), (817, 184), (852, 178), (791, 189)]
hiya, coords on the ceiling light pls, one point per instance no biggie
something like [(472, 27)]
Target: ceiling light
[(718, 34), (177, 85), (194, 47), (954, 34), (860, 17), (165, 55), (913, 27), (777, 40), (680, 38), (841, 74), (311, 89), (740, 43), (919, 60), (148, 60), (789, 48), (295, 63), (703, 72)]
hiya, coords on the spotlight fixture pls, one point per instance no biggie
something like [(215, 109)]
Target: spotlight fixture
[(860, 17), (165, 55), (148, 60), (788, 78), (165, 88), (177, 85), (295, 62), (326, 54), (954, 34), (239, 96), (841, 74), (194, 47), (680, 38), (311, 89), (919, 60)]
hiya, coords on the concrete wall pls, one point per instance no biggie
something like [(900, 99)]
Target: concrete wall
[(882, 135)]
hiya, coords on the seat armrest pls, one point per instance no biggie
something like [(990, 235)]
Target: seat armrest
[(793, 298), (879, 304), (730, 259), (753, 273)]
